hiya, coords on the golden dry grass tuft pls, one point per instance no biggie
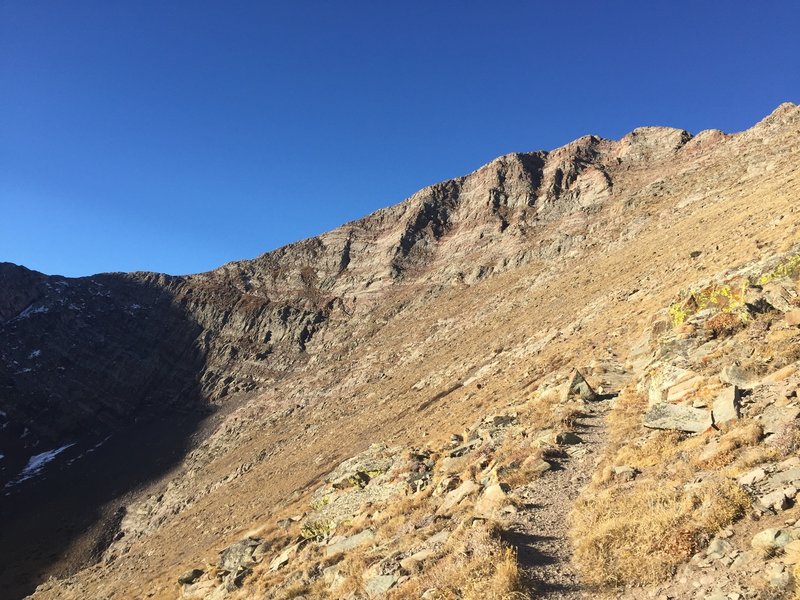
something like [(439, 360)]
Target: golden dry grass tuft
[(639, 532), (477, 566)]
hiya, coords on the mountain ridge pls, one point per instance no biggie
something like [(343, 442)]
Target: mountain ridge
[(287, 319)]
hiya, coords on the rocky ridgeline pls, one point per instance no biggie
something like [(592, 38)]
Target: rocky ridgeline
[(80, 357)]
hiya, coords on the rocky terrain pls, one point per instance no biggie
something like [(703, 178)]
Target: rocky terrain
[(567, 374)]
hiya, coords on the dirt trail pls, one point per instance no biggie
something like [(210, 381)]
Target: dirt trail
[(540, 530)]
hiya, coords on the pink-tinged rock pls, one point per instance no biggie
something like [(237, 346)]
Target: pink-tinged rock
[(684, 389)]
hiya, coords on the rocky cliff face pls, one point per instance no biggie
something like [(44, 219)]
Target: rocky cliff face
[(378, 322), (87, 356)]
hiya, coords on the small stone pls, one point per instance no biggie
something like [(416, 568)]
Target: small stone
[(190, 577), (567, 438), (753, 476)]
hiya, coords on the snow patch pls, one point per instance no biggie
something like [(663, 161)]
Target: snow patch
[(36, 464), (35, 354)]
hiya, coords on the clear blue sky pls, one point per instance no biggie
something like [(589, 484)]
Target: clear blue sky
[(176, 136)]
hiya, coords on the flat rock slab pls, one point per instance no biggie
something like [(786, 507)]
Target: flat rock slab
[(774, 418), (678, 418), (349, 543), (377, 586)]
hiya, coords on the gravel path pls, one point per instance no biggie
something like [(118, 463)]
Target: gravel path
[(540, 530)]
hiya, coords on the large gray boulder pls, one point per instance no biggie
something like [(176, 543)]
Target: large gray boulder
[(678, 418)]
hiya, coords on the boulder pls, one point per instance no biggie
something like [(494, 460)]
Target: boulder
[(788, 476), (624, 473), (739, 377), (774, 418), (579, 389), (663, 378), (718, 548), (780, 375), (779, 293), (753, 476), (377, 585), (494, 498), (792, 552), (726, 406), (534, 464), (190, 577), (770, 540), (464, 448), (792, 317), (349, 543), (467, 488), (678, 418), (777, 500), (239, 555), (567, 438), (284, 557), (686, 388)]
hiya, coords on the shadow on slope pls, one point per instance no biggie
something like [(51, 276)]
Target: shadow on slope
[(118, 382)]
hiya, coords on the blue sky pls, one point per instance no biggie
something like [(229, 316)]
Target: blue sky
[(177, 136)]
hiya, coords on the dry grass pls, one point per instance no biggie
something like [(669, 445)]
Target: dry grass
[(477, 566), (724, 324), (638, 533), (728, 447)]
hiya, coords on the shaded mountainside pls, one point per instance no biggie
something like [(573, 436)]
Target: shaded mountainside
[(420, 315)]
